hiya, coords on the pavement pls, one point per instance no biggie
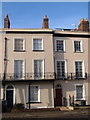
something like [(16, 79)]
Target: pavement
[(48, 115)]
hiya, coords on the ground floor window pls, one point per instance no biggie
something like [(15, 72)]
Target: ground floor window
[(34, 93), (79, 91)]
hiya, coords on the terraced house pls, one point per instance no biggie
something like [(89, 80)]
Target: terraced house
[(43, 67)]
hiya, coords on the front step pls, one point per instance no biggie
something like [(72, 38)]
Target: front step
[(66, 108)]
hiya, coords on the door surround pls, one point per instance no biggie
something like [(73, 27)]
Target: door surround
[(10, 87), (58, 97)]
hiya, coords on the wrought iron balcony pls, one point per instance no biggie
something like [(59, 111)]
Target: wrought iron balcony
[(27, 76), (71, 76), (42, 76)]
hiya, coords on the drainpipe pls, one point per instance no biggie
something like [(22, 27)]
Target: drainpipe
[(5, 67), (29, 96)]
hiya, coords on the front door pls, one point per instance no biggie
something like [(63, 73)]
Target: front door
[(58, 97), (9, 98)]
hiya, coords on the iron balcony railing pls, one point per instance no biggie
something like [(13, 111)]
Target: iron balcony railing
[(42, 76), (28, 76), (71, 76)]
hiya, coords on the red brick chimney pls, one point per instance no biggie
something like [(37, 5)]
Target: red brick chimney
[(45, 22), (84, 25), (6, 22)]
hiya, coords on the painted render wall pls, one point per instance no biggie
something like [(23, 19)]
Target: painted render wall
[(89, 70), (29, 55), (69, 56), (69, 88), (46, 94)]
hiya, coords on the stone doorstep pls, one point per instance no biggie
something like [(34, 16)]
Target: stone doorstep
[(82, 107), (73, 108), (66, 108)]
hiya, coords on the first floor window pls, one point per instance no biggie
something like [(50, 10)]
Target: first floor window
[(34, 94), (18, 69), (19, 44), (38, 68), (79, 69), (79, 91), (60, 69)]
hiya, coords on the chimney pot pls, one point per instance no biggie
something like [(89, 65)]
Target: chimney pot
[(6, 22), (45, 22)]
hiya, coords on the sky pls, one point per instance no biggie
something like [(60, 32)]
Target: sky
[(30, 14)]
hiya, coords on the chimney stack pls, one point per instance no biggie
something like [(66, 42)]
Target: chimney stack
[(84, 25), (45, 22), (6, 22)]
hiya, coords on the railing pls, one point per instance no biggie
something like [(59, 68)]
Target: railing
[(28, 76), (71, 76), (42, 76)]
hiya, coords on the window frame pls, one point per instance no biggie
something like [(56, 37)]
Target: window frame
[(64, 49), (83, 68), (33, 44), (39, 98), (24, 44), (65, 67), (24, 64), (81, 46), (83, 94), (43, 60)]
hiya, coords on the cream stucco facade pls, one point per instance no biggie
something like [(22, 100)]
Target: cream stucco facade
[(49, 55), (70, 56)]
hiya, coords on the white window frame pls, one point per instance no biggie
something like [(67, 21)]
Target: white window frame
[(65, 66), (83, 67), (81, 46), (43, 67), (63, 45), (24, 44), (83, 98), (24, 63), (33, 44), (27, 93)]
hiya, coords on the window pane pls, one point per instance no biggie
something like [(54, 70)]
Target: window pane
[(78, 69), (37, 44), (38, 68), (34, 93), (19, 44), (77, 46), (79, 91), (61, 68), (18, 69), (59, 45)]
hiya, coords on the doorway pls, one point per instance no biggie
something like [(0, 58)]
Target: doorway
[(10, 96), (58, 98)]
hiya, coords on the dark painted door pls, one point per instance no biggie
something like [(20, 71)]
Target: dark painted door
[(58, 97), (9, 98)]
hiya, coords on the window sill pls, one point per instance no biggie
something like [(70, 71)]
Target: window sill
[(78, 52), (61, 51), (80, 99), (19, 51), (38, 50), (33, 102)]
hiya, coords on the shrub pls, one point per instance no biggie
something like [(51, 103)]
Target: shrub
[(18, 106)]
